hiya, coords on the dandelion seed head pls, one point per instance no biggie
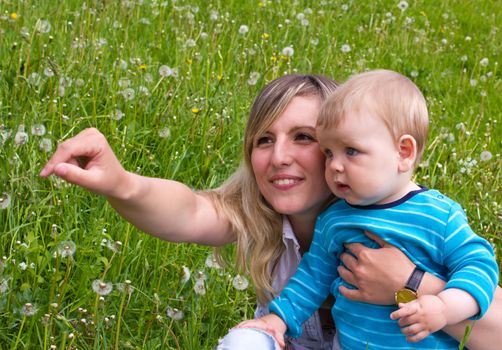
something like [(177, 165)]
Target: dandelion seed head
[(200, 276), (117, 114), (484, 62), (164, 133), (4, 200), (199, 287), (38, 130), (165, 71), (485, 156), (66, 249), (128, 94), (186, 275), (43, 26), (174, 313), (346, 48), (28, 310), (4, 286), (102, 288), (243, 29), (288, 51), (402, 5), (23, 266), (21, 136), (211, 262), (253, 78), (34, 79), (48, 72), (240, 282), (190, 43)]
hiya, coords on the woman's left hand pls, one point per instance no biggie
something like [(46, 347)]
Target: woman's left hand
[(376, 273)]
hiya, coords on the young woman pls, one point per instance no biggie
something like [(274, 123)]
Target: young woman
[(267, 208)]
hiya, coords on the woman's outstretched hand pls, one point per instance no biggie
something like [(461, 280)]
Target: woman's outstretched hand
[(376, 273), (87, 160)]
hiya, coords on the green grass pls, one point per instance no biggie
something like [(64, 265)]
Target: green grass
[(68, 65)]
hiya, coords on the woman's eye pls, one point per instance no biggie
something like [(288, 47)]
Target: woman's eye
[(304, 137), (351, 151), (263, 140)]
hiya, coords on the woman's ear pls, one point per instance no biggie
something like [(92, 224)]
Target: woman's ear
[(407, 147)]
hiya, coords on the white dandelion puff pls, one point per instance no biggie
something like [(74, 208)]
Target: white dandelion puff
[(190, 43), (102, 288), (164, 133), (240, 282), (21, 136), (485, 156), (288, 51), (117, 114), (174, 313), (38, 130), (128, 94), (211, 262), (66, 249), (165, 71), (484, 62), (4, 286), (346, 48), (34, 79), (48, 72), (243, 29), (45, 145), (43, 26), (186, 275), (200, 276), (403, 5), (253, 78), (199, 287), (28, 310), (4, 200)]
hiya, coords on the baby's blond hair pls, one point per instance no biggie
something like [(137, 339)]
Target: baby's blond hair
[(389, 95)]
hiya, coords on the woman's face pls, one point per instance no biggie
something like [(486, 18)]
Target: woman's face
[(287, 161)]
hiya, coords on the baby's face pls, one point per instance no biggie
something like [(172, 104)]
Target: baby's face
[(362, 159)]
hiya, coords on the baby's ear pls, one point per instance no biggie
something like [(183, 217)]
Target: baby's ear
[(407, 147)]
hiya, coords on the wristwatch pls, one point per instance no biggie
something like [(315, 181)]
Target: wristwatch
[(409, 292)]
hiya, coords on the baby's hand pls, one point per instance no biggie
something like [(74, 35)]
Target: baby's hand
[(270, 323), (420, 317)]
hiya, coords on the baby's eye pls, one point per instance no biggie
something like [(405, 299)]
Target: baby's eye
[(327, 153), (351, 151)]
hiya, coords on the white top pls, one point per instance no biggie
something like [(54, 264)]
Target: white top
[(313, 336)]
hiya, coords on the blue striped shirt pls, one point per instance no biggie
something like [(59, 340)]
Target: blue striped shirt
[(430, 228)]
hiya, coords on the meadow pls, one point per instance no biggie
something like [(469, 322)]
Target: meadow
[(170, 84)]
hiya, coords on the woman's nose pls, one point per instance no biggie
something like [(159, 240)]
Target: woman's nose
[(281, 155)]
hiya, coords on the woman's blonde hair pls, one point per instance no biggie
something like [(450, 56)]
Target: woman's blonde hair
[(258, 227)]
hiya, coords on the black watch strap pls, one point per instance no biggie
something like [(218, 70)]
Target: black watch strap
[(415, 279)]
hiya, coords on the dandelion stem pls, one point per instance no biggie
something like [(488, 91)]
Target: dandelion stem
[(119, 320), (19, 333)]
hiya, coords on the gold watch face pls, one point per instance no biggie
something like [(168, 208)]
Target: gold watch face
[(405, 295)]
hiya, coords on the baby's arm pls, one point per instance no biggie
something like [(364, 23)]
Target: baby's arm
[(430, 313), (270, 323)]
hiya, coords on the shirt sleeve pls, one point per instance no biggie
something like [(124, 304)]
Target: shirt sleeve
[(470, 259), (309, 287)]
